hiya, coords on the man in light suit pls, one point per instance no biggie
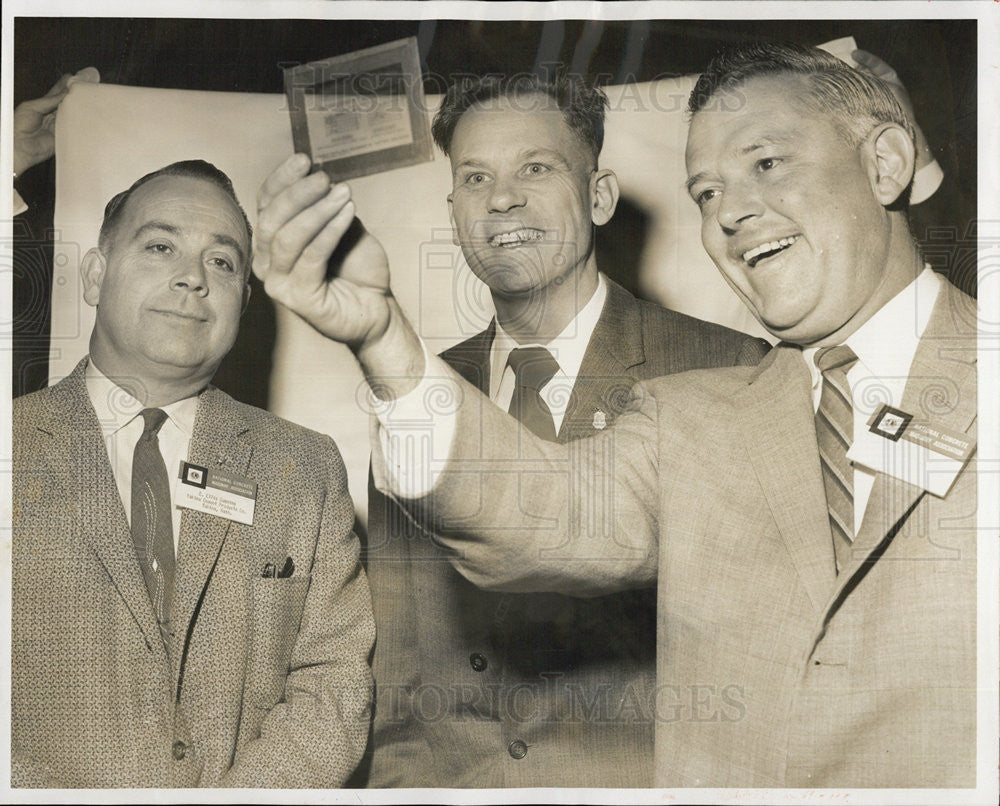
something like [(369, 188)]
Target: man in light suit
[(481, 689), (810, 522), (155, 646)]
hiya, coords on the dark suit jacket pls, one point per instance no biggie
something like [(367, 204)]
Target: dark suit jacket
[(463, 673), (772, 670), (269, 684)]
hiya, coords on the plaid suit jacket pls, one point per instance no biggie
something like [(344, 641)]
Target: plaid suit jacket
[(269, 684), (772, 670), (462, 672)]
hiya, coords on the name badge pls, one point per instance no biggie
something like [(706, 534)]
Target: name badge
[(216, 492), (918, 452)]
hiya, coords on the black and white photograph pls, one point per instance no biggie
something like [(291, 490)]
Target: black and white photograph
[(474, 402)]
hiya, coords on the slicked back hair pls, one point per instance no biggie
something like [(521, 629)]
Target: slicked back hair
[(195, 169), (856, 100), (582, 106)]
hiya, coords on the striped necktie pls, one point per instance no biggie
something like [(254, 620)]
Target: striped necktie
[(834, 434)]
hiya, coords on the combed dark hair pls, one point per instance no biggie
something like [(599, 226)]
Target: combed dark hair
[(858, 101), (196, 169), (582, 106)]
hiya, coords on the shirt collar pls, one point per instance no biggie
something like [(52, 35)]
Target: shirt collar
[(886, 344), (116, 408), (568, 348)]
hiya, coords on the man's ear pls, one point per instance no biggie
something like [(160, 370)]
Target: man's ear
[(603, 196), (246, 296), (92, 269), (893, 160), (451, 217)]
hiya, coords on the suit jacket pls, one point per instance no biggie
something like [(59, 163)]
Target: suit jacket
[(772, 670), (463, 675), (269, 684)]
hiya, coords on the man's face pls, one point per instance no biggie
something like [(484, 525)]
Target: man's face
[(523, 203), (171, 288), (788, 210)]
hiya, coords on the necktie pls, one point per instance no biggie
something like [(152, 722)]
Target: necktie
[(834, 434), (533, 368), (152, 531)]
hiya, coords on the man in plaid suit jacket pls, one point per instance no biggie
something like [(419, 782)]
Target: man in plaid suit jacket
[(262, 678)]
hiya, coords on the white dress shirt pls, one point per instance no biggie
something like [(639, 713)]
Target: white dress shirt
[(568, 349), (119, 416), (885, 346)]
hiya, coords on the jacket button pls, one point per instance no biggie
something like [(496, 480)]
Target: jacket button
[(478, 661), (179, 750), (517, 749)]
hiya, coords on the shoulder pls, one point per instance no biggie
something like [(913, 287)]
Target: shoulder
[(279, 441), (680, 324)]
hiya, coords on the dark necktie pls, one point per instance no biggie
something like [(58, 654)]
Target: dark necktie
[(152, 530), (834, 434), (533, 368)]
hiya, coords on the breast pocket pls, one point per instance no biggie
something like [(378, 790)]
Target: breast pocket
[(275, 614)]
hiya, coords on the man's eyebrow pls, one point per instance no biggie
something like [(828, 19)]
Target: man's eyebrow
[(763, 142), (756, 145), (220, 238), (694, 180)]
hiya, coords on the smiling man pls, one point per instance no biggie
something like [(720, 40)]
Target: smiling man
[(533, 690), (810, 522), (222, 644)]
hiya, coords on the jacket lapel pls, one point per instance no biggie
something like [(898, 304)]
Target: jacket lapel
[(78, 455), (471, 358), (941, 388), (776, 418), (220, 441), (604, 383)]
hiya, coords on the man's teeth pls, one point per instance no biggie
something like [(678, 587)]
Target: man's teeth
[(751, 255), (517, 236)]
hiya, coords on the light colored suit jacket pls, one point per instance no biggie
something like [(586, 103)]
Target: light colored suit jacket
[(461, 673), (269, 684), (772, 670)]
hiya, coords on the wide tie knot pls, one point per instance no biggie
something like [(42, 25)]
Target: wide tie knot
[(533, 367), (154, 419), (828, 358)]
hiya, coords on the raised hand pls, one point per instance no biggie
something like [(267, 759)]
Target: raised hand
[(34, 121), (316, 258)]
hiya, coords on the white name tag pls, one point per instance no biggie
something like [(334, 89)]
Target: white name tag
[(920, 453), (216, 492)]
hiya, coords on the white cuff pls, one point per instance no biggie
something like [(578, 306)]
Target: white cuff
[(415, 432), (18, 203), (926, 181)]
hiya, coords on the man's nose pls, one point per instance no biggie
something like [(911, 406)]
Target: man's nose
[(191, 277), (506, 195), (740, 203)]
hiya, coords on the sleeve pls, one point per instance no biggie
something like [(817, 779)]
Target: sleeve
[(414, 433), (316, 735), (521, 514)]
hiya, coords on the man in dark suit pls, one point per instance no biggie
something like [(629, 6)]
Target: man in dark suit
[(223, 644), (810, 522)]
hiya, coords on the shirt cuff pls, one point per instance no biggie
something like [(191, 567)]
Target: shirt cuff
[(415, 432), (18, 203), (926, 181)]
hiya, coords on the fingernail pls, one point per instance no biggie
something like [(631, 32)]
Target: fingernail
[(301, 162), (339, 192)]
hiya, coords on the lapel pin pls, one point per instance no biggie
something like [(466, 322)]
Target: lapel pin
[(600, 420)]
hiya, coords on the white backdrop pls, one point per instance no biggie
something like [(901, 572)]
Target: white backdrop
[(108, 136)]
